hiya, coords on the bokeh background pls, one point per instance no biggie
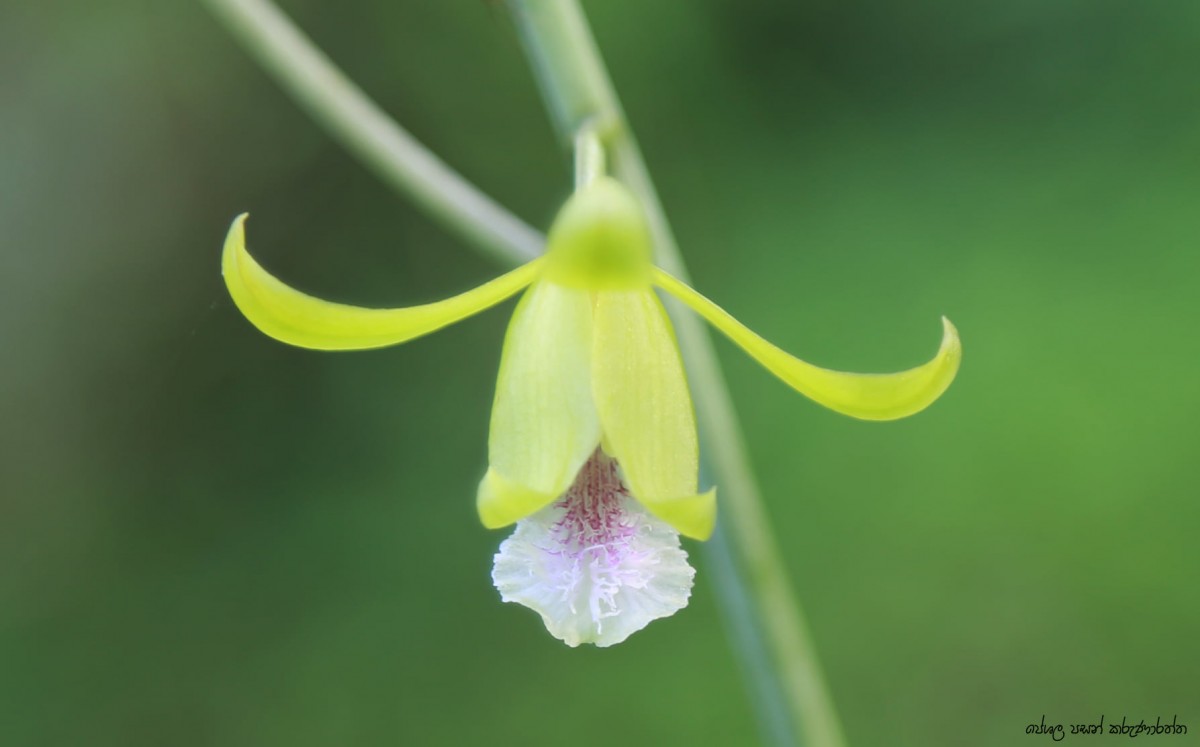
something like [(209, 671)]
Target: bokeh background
[(208, 538)]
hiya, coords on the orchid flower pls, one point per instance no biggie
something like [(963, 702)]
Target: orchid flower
[(592, 447)]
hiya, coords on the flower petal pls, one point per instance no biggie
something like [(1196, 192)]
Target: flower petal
[(501, 501), (299, 319), (645, 408), (864, 396), (544, 423), (693, 515), (595, 565)]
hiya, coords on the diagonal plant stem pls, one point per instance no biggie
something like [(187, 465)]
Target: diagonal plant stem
[(368, 132), (580, 96), (578, 91)]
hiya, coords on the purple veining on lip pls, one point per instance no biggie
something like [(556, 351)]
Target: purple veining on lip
[(594, 512), (593, 538), (595, 564)]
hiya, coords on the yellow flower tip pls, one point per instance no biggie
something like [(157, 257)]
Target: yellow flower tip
[(235, 234), (501, 501), (286, 314), (692, 516), (600, 240), (863, 396), (235, 243), (950, 335), (950, 349), (883, 396)]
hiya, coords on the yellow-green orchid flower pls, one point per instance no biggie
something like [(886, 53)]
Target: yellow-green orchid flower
[(592, 424)]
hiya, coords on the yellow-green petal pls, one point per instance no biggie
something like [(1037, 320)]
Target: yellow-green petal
[(501, 501), (544, 422), (864, 396), (645, 408), (299, 319), (693, 516)]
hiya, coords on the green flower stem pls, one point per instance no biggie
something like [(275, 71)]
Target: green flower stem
[(589, 157), (368, 132), (775, 721), (580, 96), (577, 90)]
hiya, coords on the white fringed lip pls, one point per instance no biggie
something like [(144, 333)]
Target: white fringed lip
[(595, 565)]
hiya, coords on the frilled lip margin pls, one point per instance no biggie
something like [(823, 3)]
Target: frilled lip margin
[(595, 564)]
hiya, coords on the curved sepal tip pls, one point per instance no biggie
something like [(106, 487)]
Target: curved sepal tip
[(286, 314), (864, 396)]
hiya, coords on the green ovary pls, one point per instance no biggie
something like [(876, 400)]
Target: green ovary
[(600, 240)]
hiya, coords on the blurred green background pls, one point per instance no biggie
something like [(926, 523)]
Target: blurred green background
[(208, 538)]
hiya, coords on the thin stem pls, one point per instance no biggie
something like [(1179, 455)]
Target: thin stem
[(589, 157), (746, 639), (367, 131), (577, 89)]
